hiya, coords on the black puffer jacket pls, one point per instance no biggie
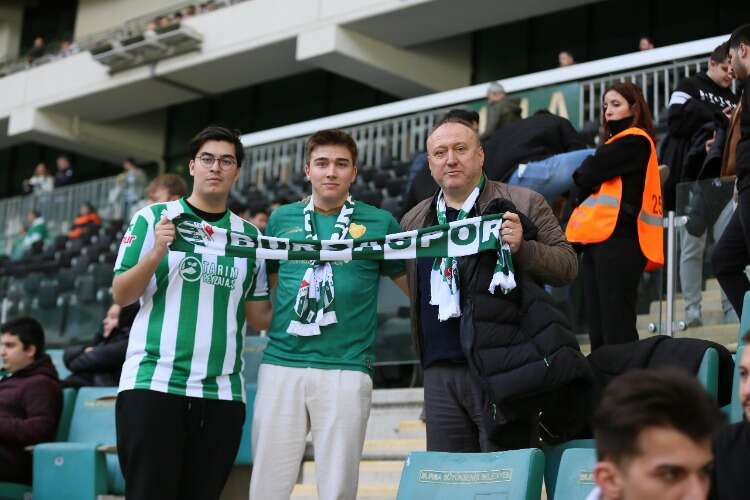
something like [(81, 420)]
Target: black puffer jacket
[(520, 347)]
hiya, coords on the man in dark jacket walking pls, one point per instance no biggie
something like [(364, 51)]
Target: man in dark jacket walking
[(467, 402), (30, 397)]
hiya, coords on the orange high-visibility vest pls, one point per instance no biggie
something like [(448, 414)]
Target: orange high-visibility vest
[(594, 220)]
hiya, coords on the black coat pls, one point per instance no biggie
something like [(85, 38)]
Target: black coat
[(520, 347), (102, 365)]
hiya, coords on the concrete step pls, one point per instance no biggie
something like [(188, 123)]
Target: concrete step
[(382, 449), (411, 429), (711, 301), (371, 472), (364, 492), (389, 408), (709, 317)]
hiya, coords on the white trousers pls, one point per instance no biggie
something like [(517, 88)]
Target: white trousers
[(332, 404)]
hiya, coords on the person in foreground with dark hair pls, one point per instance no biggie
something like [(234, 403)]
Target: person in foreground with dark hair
[(30, 397), (653, 438), (731, 480), (732, 251), (181, 402), (618, 218)]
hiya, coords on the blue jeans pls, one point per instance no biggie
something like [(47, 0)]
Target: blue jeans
[(552, 176)]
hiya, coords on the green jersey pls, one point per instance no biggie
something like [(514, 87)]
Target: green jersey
[(187, 337), (346, 344)]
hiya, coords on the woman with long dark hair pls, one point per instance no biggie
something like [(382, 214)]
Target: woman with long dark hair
[(618, 218)]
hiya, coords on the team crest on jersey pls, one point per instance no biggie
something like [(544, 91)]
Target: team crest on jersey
[(191, 269), (196, 233)]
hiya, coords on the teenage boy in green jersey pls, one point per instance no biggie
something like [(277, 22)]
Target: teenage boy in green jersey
[(315, 374), (180, 406)]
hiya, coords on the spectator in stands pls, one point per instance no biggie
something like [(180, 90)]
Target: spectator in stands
[(99, 362), (648, 446), (180, 407), (696, 111), (64, 175), (67, 48), (189, 11), (86, 223), (259, 216), (618, 218), (732, 443), (645, 42), (455, 401), (30, 397), (421, 185), (565, 58), (36, 232), (315, 374), (731, 253), (129, 187), (164, 188), (41, 182), (36, 51), (501, 110)]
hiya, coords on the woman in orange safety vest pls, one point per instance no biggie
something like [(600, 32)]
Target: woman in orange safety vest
[(618, 218)]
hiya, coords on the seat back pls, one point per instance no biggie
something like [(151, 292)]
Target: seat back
[(575, 478), (253, 354), (66, 415), (513, 474), (745, 319), (245, 452), (553, 456), (708, 372), (735, 407), (56, 355)]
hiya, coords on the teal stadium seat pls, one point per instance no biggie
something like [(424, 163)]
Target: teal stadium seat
[(734, 409), (513, 475), (245, 453), (57, 359), (17, 491), (745, 319), (77, 469), (85, 312), (48, 308), (575, 478), (553, 456), (252, 354), (708, 372)]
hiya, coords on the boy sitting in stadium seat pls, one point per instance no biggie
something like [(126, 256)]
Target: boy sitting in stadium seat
[(30, 397), (653, 438)]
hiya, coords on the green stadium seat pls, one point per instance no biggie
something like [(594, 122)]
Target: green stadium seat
[(253, 354), (513, 474), (49, 309), (76, 468), (734, 409), (575, 478), (57, 359), (744, 320), (553, 456), (15, 491), (245, 453), (708, 372)]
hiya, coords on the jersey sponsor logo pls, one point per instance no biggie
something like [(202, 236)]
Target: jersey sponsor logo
[(357, 230), (129, 237), (195, 232), (191, 269)]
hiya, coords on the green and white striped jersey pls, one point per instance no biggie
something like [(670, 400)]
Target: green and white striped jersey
[(187, 337)]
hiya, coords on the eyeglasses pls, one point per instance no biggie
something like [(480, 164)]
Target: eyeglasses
[(206, 160)]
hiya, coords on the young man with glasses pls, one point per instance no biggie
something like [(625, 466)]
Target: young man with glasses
[(315, 374), (180, 407)]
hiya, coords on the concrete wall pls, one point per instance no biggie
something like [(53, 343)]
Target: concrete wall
[(11, 23), (100, 15)]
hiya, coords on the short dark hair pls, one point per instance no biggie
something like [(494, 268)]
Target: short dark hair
[(746, 337), (218, 133), (651, 398), (29, 332), (331, 137), (720, 53), (258, 209), (35, 212), (464, 114), (740, 35)]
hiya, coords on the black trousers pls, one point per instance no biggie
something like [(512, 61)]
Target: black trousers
[(176, 447), (731, 254), (454, 407), (611, 271)]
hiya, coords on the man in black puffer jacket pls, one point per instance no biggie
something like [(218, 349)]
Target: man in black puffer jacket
[(491, 370)]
